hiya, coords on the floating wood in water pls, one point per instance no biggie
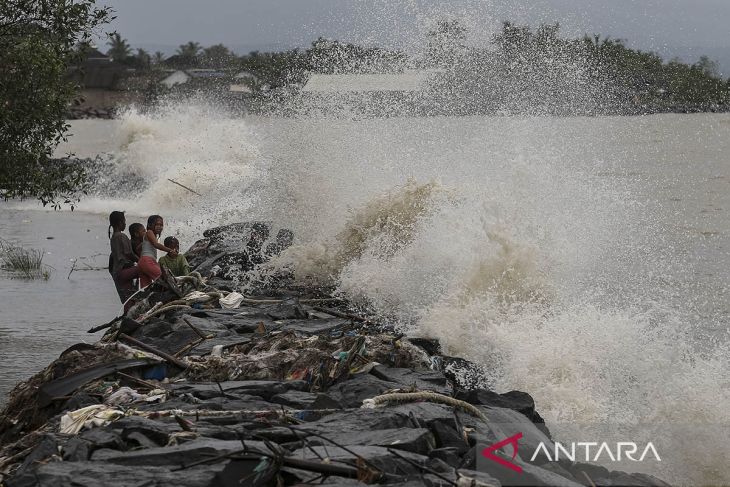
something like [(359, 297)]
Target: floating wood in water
[(183, 186)]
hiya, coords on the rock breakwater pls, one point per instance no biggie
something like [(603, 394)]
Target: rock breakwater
[(198, 385)]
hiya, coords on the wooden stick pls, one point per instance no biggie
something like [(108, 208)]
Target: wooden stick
[(151, 349), (194, 328), (339, 314), (183, 186), (72, 269), (138, 380), (105, 325)]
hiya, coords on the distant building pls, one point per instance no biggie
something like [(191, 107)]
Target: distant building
[(406, 82), (103, 84), (243, 83), (183, 76), (389, 94)]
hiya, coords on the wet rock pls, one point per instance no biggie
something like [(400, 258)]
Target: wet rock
[(530, 475), (102, 438), (79, 400), (449, 455), (476, 479), (94, 474), (422, 379), (516, 400), (378, 456), (503, 423), (415, 440), (47, 448), (314, 327), (430, 345), (352, 392), (359, 420), (464, 373), (448, 437), (76, 450), (323, 401), (426, 412), (295, 399), (133, 427), (178, 455), (265, 389), (288, 309)]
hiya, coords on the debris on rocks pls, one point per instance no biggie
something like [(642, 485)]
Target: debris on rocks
[(202, 385)]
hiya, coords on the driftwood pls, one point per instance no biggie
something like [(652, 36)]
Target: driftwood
[(340, 314), (105, 325), (148, 348), (183, 186)]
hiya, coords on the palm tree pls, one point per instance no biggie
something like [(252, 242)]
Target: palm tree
[(143, 58), (158, 57), (217, 56), (189, 52), (119, 50)]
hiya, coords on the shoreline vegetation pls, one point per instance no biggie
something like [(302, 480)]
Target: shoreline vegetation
[(198, 385), (522, 71), (23, 262), (50, 71)]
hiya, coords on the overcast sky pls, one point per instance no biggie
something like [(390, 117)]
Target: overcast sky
[(671, 27)]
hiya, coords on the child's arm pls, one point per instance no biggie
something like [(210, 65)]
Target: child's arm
[(156, 244)]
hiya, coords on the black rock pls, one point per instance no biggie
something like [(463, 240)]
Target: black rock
[(157, 432), (79, 400), (102, 438), (422, 379), (515, 400), (414, 440), (429, 345), (177, 455), (467, 375), (449, 455), (76, 450), (47, 448), (295, 399), (98, 474), (378, 456), (352, 392), (448, 437)]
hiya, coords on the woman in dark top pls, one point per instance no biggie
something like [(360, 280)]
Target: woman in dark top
[(122, 260)]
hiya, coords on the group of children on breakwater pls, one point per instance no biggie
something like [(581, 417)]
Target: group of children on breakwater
[(133, 260)]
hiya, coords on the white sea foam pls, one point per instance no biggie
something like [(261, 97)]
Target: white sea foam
[(537, 247)]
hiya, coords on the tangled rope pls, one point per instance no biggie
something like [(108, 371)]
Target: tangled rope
[(428, 396)]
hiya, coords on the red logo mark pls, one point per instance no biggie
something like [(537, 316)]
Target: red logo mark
[(512, 440)]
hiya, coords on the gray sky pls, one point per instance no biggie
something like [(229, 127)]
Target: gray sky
[(686, 28)]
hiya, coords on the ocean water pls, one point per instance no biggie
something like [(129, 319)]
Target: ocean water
[(583, 260)]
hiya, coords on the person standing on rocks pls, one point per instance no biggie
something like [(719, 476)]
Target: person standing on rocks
[(122, 261), (149, 268)]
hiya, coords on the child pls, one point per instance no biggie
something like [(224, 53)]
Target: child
[(136, 232), (149, 269), (177, 265), (122, 260)]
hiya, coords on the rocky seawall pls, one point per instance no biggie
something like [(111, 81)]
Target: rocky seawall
[(198, 385)]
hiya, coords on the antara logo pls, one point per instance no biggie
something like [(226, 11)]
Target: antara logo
[(512, 440), (602, 451), (572, 451)]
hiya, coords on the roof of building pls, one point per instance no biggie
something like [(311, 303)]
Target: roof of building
[(411, 81)]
